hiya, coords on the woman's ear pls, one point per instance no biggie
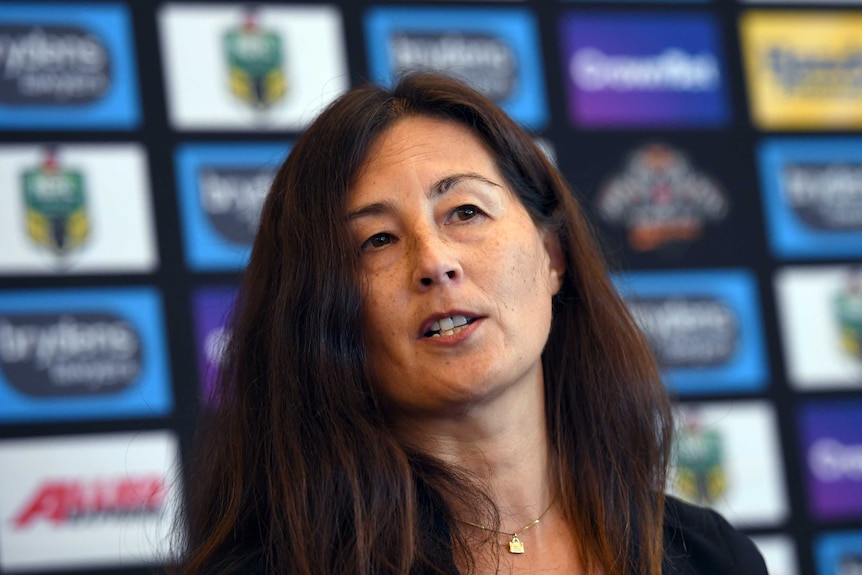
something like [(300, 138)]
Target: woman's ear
[(556, 261)]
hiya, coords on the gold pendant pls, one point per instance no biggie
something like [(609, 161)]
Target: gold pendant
[(515, 545)]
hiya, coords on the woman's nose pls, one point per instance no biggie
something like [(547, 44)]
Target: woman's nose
[(435, 262)]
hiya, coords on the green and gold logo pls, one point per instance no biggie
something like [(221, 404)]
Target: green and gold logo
[(848, 311), (699, 454), (55, 203), (254, 59)]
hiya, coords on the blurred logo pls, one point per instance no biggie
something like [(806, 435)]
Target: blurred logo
[(848, 312), (485, 61), (255, 61), (52, 65), (699, 459), (75, 501), (826, 196), (687, 331), (660, 199), (232, 198), (55, 203), (643, 70), (51, 355), (850, 564), (212, 310), (216, 344), (672, 70), (831, 460), (832, 451), (813, 74), (803, 69)]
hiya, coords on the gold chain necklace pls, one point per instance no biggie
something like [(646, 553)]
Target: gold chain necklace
[(516, 546)]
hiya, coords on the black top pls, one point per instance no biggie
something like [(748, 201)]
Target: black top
[(699, 541)]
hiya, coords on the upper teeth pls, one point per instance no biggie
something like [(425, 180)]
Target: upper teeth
[(448, 325)]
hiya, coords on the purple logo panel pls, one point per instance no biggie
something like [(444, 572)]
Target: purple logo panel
[(211, 307), (643, 70), (832, 443)]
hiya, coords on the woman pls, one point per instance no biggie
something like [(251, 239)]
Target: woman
[(430, 371)]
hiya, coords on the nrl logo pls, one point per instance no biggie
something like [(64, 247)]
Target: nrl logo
[(255, 60), (660, 199), (699, 458), (55, 202), (847, 305)]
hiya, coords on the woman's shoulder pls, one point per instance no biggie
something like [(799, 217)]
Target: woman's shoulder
[(699, 541)]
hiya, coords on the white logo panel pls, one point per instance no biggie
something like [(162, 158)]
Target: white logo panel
[(74, 209), (779, 552), (264, 68), (727, 456), (87, 501), (820, 313)]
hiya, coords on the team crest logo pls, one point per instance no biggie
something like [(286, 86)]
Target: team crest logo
[(55, 203), (700, 475), (254, 59), (848, 311), (660, 199)]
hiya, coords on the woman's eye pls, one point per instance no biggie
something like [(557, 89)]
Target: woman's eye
[(378, 241), (466, 212)]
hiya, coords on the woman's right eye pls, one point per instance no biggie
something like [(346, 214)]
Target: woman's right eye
[(378, 241)]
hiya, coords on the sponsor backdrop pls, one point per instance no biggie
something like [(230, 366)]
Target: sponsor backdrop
[(717, 145)]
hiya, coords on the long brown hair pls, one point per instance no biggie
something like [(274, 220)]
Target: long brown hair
[(298, 472)]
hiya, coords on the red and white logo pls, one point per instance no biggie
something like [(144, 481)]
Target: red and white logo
[(64, 501), (87, 501)]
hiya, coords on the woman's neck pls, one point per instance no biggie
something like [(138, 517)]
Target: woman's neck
[(503, 442)]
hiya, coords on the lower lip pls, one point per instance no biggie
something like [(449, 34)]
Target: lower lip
[(456, 338)]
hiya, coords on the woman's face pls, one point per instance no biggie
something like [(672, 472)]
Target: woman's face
[(457, 279)]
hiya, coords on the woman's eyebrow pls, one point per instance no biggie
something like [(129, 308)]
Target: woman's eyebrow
[(445, 184), (438, 188), (372, 209)]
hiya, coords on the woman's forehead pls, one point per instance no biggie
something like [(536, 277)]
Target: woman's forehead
[(422, 149)]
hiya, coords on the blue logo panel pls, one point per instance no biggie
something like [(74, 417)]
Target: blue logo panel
[(82, 354), (644, 69), (69, 66), (838, 553), (703, 326), (221, 191), (497, 51), (812, 193)]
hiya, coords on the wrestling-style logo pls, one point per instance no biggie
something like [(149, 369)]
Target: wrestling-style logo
[(803, 68), (699, 453), (486, 61), (48, 64), (255, 61), (687, 331), (70, 354), (55, 201), (811, 74), (848, 312), (826, 196), (661, 199), (232, 198)]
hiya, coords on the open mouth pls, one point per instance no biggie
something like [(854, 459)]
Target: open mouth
[(448, 325)]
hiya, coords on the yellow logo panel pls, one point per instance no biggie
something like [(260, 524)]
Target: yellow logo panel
[(803, 69)]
